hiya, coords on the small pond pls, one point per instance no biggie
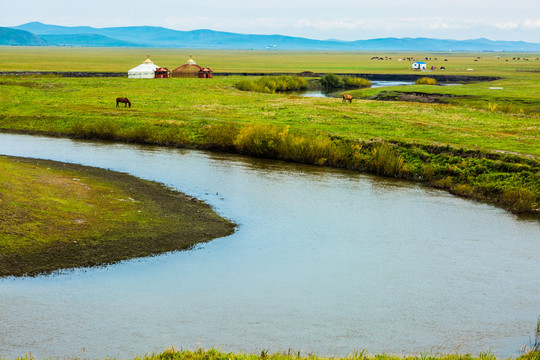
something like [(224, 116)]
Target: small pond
[(324, 261)]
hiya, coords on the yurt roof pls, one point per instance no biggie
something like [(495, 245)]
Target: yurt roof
[(188, 67), (190, 61), (146, 66)]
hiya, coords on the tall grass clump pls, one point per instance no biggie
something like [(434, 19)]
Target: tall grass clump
[(273, 84), (105, 129), (519, 199), (350, 81), (171, 136), (221, 136), (262, 140), (426, 81), (511, 108), (333, 81), (532, 351), (272, 141), (385, 161), (139, 134)]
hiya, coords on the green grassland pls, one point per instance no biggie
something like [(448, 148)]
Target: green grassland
[(115, 59), (517, 94), (55, 216), (468, 146)]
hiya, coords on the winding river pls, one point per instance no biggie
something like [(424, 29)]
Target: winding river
[(324, 261)]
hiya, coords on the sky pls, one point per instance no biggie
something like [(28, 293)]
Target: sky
[(315, 19)]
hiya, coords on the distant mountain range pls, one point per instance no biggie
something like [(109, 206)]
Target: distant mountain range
[(38, 34), (19, 37)]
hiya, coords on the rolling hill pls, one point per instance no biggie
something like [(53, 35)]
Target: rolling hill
[(10, 36), (89, 40), (152, 36)]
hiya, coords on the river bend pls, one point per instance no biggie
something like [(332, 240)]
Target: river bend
[(324, 261)]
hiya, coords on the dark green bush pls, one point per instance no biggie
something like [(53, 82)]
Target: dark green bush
[(331, 81), (426, 81), (272, 84)]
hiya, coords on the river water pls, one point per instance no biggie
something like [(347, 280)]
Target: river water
[(323, 261), (374, 84)]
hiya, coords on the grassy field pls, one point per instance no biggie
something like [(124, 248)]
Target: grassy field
[(484, 143), (55, 216), (113, 59), (517, 94)]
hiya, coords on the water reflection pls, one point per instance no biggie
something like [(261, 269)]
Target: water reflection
[(324, 261)]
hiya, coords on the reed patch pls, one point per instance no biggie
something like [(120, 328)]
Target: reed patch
[(273, 84), (426, 81)]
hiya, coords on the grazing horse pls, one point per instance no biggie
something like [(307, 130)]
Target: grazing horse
[(347, 97), (125, 101)]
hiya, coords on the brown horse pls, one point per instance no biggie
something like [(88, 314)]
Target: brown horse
[(347, 97), (125, 101)]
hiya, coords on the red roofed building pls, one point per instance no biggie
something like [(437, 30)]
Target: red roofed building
[(163, 73), (205, 73), (191, 69)]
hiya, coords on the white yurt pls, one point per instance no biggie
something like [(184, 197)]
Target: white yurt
[(147, 70)]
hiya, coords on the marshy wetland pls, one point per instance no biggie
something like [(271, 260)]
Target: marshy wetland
[(326, 259)]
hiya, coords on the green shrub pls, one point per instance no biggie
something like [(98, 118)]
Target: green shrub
[(140, 134), (221, 136), (350, 81), (519, 199), (272, 84), (172, 136), (260, 139), (331, 81), (426, 81), (105, 129), (385, 161)]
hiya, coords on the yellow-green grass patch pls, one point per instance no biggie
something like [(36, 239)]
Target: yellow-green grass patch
[(55, 216)]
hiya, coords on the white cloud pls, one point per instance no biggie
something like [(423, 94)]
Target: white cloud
[(506, 25), (531, 24)]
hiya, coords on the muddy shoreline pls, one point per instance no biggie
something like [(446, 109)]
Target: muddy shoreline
[(184, 222)]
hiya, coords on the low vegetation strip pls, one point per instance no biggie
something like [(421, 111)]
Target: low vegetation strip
[(213, 354), (506, 180), (57, 216), (529, 351)]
